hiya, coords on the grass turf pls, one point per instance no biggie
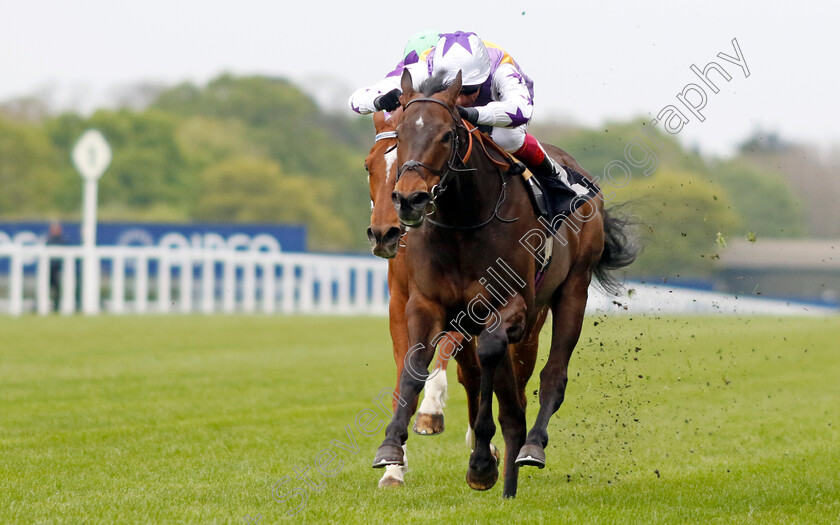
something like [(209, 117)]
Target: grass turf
[(194, 419)]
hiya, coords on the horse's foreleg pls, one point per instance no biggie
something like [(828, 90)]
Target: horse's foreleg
[(469, 375), (492, 352), (512, 421), (429, 420), (568, 308), (524, 354), (399, 338), (424, 320)]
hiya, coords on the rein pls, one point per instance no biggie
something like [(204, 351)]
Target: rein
[(449, 169)]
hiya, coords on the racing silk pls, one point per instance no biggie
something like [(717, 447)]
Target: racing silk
[(506, 99)]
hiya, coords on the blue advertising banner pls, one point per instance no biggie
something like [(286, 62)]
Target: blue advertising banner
[(242, 237), (245, 237)]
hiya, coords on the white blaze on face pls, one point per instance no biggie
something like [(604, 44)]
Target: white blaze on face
[(419, 123), (390, 158)]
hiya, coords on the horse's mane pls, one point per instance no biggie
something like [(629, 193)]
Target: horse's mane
[(434, 84)]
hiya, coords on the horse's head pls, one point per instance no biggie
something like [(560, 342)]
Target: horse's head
[(428, 141), (381, 164)]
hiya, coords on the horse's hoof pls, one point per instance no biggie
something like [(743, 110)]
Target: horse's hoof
[(482, 480), (388, 455), (531, 456), (385, 483), (428, 424)]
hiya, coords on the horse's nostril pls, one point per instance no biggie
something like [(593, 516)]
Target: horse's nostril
[(420, 199), (395, 198), (371, 236), (392, 235)]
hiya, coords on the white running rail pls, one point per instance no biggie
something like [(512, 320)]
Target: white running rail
[(148, 280)]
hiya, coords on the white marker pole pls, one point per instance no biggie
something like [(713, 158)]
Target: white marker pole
[(91, 156)]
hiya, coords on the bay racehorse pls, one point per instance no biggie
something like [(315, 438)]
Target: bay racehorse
[(469, 272)]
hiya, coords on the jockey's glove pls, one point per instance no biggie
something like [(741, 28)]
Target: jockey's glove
[(389, 101), (468, 114)]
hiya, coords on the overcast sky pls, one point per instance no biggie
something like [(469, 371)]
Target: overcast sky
[(590, 61)]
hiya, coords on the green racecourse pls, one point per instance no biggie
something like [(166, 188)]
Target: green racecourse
[(193, 420)]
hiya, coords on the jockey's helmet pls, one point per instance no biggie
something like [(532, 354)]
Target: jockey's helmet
[(465, 52), (421, 42)]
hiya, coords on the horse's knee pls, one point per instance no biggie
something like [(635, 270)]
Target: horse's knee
[(491, 347), (516, 327)]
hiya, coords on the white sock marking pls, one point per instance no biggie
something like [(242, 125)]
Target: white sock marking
[(434, 398), (470, 438), (397, 471)]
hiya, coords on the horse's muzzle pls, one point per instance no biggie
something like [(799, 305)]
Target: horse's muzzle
[(384, 244), (411, 209)]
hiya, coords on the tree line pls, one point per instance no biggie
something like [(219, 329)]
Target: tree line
[(258, 149)]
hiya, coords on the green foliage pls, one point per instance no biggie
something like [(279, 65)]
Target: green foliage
[(271, 118), (147, 169), (686, 202), (259, 149), (243, 189), (763, 199), (679, 215), (594, 149), (277, 115), (27, 170)]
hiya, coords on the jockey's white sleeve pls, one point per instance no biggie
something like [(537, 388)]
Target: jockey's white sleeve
[(361, 101), (512, 104)]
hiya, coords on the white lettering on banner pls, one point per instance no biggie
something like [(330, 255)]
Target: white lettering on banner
[(262, 242), (212, 240), (135, 236), (238, 240), (27, 238), (174, 240)]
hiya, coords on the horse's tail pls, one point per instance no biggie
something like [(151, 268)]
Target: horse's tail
[(620, 250)]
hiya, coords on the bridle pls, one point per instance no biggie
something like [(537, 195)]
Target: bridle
[(451, 169)]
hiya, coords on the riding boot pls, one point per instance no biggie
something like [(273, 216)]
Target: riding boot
[(550, 174), (550, 171)]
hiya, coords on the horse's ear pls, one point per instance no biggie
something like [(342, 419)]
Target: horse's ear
[(407, 85), (454, 90)]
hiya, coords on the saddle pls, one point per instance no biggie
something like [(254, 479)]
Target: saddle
[(550, 198)]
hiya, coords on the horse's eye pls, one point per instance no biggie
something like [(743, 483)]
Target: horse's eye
[(446, 137), (366, 167)]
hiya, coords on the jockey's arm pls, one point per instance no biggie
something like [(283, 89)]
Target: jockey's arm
[(361, 101), (514, 106)]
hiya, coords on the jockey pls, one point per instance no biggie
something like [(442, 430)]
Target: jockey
[(495, 93)]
